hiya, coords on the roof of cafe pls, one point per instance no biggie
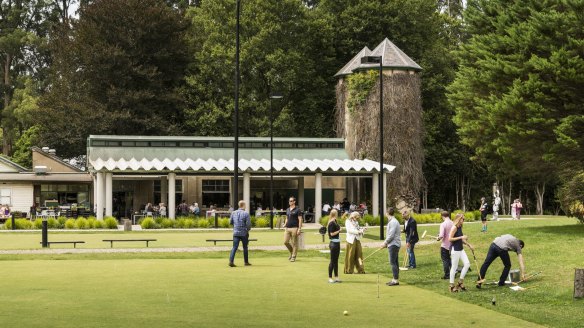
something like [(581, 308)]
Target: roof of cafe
[(205, 155)]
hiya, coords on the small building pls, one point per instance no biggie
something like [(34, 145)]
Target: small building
[(51, 183)]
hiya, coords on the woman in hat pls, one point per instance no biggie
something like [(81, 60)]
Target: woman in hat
[(354, 252)]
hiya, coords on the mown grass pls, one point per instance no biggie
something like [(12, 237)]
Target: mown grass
[(205, 292), (553, 245)]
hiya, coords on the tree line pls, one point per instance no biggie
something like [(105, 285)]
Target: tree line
[(501, 86)]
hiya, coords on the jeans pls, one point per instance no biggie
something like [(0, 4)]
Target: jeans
[(446, 263), (244, 240), (411, 255), (494, 252), (392, 255), (334, 264)]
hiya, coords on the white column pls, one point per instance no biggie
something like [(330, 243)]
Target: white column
[(317, 197), (94, 200), (375, 195), (384, 192), (99, 202), (108, 194), (301, 193), (171, 195), (246, 192), (163, 190)]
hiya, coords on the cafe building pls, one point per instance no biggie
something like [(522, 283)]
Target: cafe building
[(129, 172)]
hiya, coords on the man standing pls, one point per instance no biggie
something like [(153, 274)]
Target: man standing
[(293, 226), (445, 228), (500, 248), (484, 211), (411, 231), (393, 244), (241, 223)]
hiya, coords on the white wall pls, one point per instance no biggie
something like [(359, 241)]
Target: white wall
[(21, 196)]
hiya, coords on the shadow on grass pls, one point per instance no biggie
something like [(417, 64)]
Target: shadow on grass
[(575, 229)]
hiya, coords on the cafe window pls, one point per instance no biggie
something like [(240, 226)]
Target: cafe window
[(178, 190), (6, 196), (215, 192), (65, 194)]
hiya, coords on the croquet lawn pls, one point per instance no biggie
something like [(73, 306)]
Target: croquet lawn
[(205, 292)]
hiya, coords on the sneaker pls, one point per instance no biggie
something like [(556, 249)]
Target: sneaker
[(392, 283), (338, 281), (232, 265), (247, 264), (292, 259), (445, 277), (480, 283), (331, 281)]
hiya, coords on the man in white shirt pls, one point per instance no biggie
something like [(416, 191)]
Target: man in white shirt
[(326, 209)]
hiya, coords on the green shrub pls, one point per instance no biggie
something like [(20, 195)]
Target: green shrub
[(148, 223), (61, 220), (202, 223), (82, 223), (98, 224), (370, 220), (38, 224), (224, 223), (110, 222), (262, 222), (92, 217), (167, 223), (91, 223), (70, 224), (52, 223), (158, 220), (253, 221)]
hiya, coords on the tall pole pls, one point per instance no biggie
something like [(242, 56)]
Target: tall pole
[(271, 168), (236, 111), (381, 176)]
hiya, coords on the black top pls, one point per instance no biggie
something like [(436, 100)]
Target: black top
[(332, 227), (411, 231), (457, 244), (292, 217)]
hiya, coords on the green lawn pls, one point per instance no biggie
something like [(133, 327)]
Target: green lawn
[(199, 289)]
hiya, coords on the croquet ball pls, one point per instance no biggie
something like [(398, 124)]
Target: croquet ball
[(345, 312), (494, 301)]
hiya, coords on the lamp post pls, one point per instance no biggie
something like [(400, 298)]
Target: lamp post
[(236, 111), (273, 95), (379, 60)]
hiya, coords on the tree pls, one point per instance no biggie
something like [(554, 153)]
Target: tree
[(118, 70), (283, 48), (518, 85)]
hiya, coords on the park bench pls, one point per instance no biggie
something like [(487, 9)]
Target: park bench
[(231, 240), (111, 241), (74, 242)]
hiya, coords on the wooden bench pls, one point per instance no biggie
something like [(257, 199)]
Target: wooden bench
[(111, 241), (75, 242), (231, 240)]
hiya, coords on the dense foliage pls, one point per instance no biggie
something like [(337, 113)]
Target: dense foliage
[(501, 85)]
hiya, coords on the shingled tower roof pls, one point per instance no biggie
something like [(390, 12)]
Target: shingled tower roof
[(393, 58), (353, 63)]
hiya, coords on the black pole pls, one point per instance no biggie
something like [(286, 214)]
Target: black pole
[(271, 168), (381, 209), (45, 234), (236, 112), (12, 221)]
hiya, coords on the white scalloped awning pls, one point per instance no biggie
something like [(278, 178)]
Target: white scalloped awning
[(245, 165)]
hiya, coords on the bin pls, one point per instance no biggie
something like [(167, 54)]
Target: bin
[(127, 225)]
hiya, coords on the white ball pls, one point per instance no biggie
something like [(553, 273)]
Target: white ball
[(346, 313)]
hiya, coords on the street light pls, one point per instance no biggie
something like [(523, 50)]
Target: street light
[(379, 60), (273, 95), (236, 111)]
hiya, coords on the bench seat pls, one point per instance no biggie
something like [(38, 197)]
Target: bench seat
[(111, 241), (231, 240), (74, 242)]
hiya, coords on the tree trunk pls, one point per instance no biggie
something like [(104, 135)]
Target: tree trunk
[(462, 193), (457, 203), (6, 144), (539, 193), (509, 201), (579, 283)]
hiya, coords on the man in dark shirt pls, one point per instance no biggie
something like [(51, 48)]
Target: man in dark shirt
[(293, 226), (411, 231)]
